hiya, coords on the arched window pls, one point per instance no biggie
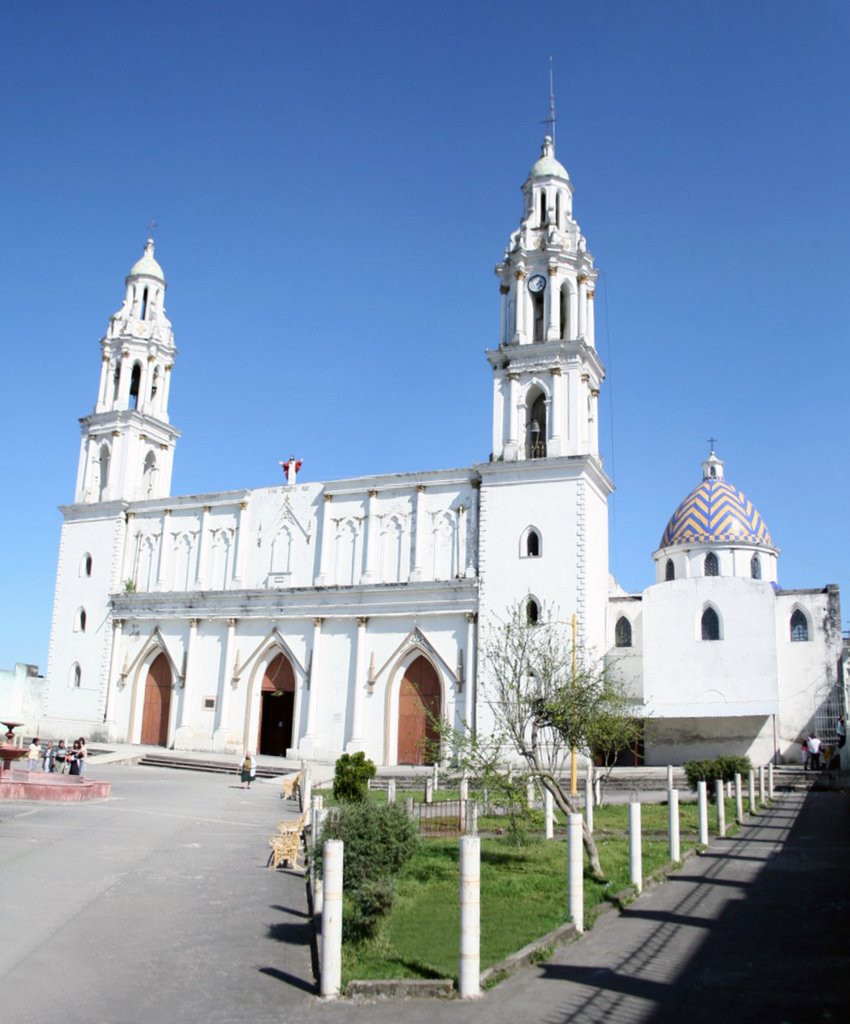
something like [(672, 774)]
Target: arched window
[(145, 304), (623, 632), (669, 570), (557, 209), (116, 380), (76, 676), (535, 446), (799, 626), (80, 621), (755, 567), (154, 382), (566, 325), (537, 306), (86, 565), (712, 566), (135, 381), (710, 625), (532, 612), (148, 475), (542, 207), (532, 543)]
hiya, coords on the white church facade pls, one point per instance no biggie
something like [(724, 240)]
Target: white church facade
[(314, 618)]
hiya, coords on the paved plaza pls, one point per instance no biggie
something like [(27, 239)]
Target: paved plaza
[(156, 906)]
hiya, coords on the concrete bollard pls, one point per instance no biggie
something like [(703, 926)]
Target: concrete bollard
[(464, 788), (332, 919), (597, 790), (751, 792), (669, 777), (720, 798), (588, 802), (770, 780), (762, 800), (469, 974), (436, 776), (429, 791), (635, 851), (306, 790), (575, 871), (702, 812), (729, 790), (315, 807), (739, 800), (529, 793), (408, 806), (391, 791), (673, 825), (549, 814)]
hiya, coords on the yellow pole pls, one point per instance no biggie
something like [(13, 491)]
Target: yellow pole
[(573, 765)]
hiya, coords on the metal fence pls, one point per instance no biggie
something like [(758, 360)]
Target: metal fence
[(441, 818)]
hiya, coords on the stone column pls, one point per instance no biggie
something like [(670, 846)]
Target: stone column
[(504, 327), (225, 688), (370, 573), (591, 325), (357, 742), (325, 543), (203, 548), (164, 541), (553, 305), (512, 444), (104, 383), (114, 654), (182, 736), (469, 684), (519, 333), (124, 381), (418, 534), (239, 555), (166, 388), (555, 414), (582, 307), (307, 745)]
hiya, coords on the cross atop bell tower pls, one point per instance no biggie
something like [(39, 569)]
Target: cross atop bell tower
[(546, 370), (127, 446)]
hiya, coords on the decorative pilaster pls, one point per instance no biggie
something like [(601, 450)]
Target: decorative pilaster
[(203, 547), (553, 304), (307, 745), (418, 534), (512, 446), (357, 742), (325, 550), (114, 655), (504, 327), (240, 544), (183, 734), (370, 573), (225, 688), (519, 334), (582, 307), (162, 567)]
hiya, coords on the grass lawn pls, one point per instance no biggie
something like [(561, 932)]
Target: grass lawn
[(523, 894)]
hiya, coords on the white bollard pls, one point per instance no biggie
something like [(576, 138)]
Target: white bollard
[(720, 798), (470, 918), (751, 791), (315, 807), (332, 919), (730, 792), (549, 813), (464, 788), (429, 791), (770, 780), (762, 800), (471, 818), (739, 800), (408, 806), (436, 775), (391, 791), (635, 851), (597, 790), (669, 777), (588, 802), (306, 790), (529, 793), (575, 871), (673, 825), (702, 812)]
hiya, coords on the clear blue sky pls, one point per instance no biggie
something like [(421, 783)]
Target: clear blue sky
[(333, 184)]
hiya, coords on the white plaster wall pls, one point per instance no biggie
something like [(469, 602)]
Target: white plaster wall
[(676, 740), (625, 664)]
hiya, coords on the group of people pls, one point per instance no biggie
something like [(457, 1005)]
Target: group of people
[(813, 748), (60, 759)]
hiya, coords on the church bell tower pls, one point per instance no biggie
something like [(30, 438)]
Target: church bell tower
[(127, 447), (546, 369)]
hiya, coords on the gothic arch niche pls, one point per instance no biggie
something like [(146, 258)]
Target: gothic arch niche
[(147, 562), (86, 564), (393, 550), (535, 427), (420, 706), (710, 624), (347, 551), (104, 470), (445, 544), (532, 611), (135, 384), (669, 570), (222, 559), (798, 624), (281, 555), (277, 707), (156, 709), (183, 556), (149, 475), (530, 543), (623, 632)]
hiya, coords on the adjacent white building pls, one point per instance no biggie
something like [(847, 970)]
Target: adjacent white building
[(317, 618)]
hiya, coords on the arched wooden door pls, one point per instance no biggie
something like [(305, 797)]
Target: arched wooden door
[(157, 703), (277, 703), (419, 709)]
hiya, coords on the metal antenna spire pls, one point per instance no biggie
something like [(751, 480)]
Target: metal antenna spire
[(550, 120)]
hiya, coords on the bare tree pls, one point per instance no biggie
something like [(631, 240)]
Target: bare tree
[(547, 699)]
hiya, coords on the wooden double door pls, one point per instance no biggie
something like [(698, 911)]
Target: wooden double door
[(157, 703), (419, 710)]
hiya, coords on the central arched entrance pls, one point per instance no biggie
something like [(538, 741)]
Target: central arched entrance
[(277, 703), (419, 710), (157, 703)]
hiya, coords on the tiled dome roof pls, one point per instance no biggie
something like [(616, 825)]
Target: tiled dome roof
[(715, 512)]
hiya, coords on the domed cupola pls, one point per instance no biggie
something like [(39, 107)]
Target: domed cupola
[(720, 530)]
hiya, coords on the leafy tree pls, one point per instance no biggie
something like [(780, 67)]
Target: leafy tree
[(548, 699)]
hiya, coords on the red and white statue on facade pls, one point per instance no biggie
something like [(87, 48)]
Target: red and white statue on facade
[(290, 468)]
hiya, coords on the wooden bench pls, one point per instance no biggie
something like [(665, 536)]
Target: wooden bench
[(291, 786), (286, 845)]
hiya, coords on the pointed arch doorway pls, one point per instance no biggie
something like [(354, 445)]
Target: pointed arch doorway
[(419, 708), (277, 704), (157, 703)]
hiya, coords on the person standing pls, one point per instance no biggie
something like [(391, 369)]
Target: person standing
[(61, 759), (804, 754), (33, 755), (49, 755), (814, 751), (248, 769), (82, 757), (841, 731)]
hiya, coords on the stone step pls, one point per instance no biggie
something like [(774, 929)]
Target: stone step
[(164, 760)]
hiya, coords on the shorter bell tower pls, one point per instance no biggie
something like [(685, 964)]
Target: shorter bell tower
[(127, 448), (546, 371)]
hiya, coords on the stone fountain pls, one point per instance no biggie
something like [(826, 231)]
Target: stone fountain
[(8, 751)]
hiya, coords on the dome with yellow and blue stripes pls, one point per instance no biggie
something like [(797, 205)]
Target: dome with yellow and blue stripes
[(715, 512)]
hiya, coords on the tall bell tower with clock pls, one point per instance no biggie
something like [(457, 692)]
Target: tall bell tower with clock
[(546, 371)]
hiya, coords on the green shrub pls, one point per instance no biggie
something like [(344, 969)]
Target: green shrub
[(379, 840), (351, 777), (723, 768)]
